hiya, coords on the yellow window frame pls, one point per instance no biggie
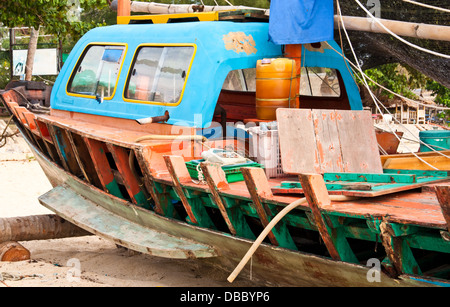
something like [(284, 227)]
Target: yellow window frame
[(185, 81), (82, 56)]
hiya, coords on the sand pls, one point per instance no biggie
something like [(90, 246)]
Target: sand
[(88, 261)]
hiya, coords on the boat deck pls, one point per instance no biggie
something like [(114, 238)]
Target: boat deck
[(417, 207)]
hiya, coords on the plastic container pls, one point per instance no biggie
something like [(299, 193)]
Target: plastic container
[(437, 139), (276, 86), (232, 172)]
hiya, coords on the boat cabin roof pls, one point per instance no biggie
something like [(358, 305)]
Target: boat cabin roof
[(191, 61)]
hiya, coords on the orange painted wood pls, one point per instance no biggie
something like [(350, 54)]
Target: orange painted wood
[(29, 117), (97, 151), (317, 195), (131, 183), (216, 180), (180, 174), (443, 195), (259, 188), (19, 111)]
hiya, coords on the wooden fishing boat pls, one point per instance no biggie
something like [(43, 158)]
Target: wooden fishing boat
[(136, 105)]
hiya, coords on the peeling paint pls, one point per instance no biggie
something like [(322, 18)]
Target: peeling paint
[(239, 42)]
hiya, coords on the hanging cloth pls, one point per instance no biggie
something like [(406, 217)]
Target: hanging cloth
[(301, 21)]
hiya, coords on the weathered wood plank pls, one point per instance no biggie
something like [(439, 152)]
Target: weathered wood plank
[(121, 157), (443, 196), (297, 141), (317, 196), (216, 180), (97, 151), (180, 174), (77, 156), (161, 201), (259, 188), (52, 132), (358, 142), (328, 146), (438, 161)]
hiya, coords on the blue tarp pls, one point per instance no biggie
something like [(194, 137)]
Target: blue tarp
[(301, 21)]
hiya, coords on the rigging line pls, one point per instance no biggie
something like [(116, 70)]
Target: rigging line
[(398, 37), (388, 90), (229, 3), (395, 119), (427, 6), (417, 140), (367, 86)]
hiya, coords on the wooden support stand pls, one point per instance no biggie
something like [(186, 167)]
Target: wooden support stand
[(332, 235), (194, 208), (258, 186)]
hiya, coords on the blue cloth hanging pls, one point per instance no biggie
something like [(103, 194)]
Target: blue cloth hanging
[(301, 21)]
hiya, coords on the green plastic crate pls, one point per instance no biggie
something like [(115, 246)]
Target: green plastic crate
[(232, 172)]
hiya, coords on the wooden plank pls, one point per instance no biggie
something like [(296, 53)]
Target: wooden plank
[(259, 189), (440, 162), (443, 196), (51, 131), (180, 174), (88, 215), (216, 179), (327, 142), (45, 139), (85, 159), (297, 141), (410, 155), (358, 142), (317, 196), (67, 151), (97, 151), (77, 156), (366, 177), (121, 157)]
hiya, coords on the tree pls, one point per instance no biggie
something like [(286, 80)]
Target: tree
[(52, 15)]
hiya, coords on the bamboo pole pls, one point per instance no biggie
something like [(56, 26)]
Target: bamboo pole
[(402, 28)]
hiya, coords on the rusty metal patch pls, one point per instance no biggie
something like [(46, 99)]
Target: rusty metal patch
[(239, 42)]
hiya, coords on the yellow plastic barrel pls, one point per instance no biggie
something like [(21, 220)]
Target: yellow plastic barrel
[(276, 86)]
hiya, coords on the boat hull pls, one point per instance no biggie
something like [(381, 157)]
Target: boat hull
[(274, 266)]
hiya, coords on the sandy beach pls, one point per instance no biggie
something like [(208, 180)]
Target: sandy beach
[(88, 261)]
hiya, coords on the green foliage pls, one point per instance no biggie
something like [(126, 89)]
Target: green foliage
[(399, 79), (49, 14), (442, 93)]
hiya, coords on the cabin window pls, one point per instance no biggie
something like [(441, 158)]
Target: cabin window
[(319, 81), (158, 74), (97, 71), (243, 80)]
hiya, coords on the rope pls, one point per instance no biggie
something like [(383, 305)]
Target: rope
[(398, 37), (427, 6), (7, 135), (367, 85)]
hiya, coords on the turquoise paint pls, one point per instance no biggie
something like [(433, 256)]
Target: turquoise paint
[(327, 57), (211, 65)]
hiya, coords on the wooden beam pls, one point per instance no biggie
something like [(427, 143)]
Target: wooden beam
[(121, 157), (97, 151), (158, 198), (258, 187), (194, 208), (317, 195), (443, 196), (215, 178)]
